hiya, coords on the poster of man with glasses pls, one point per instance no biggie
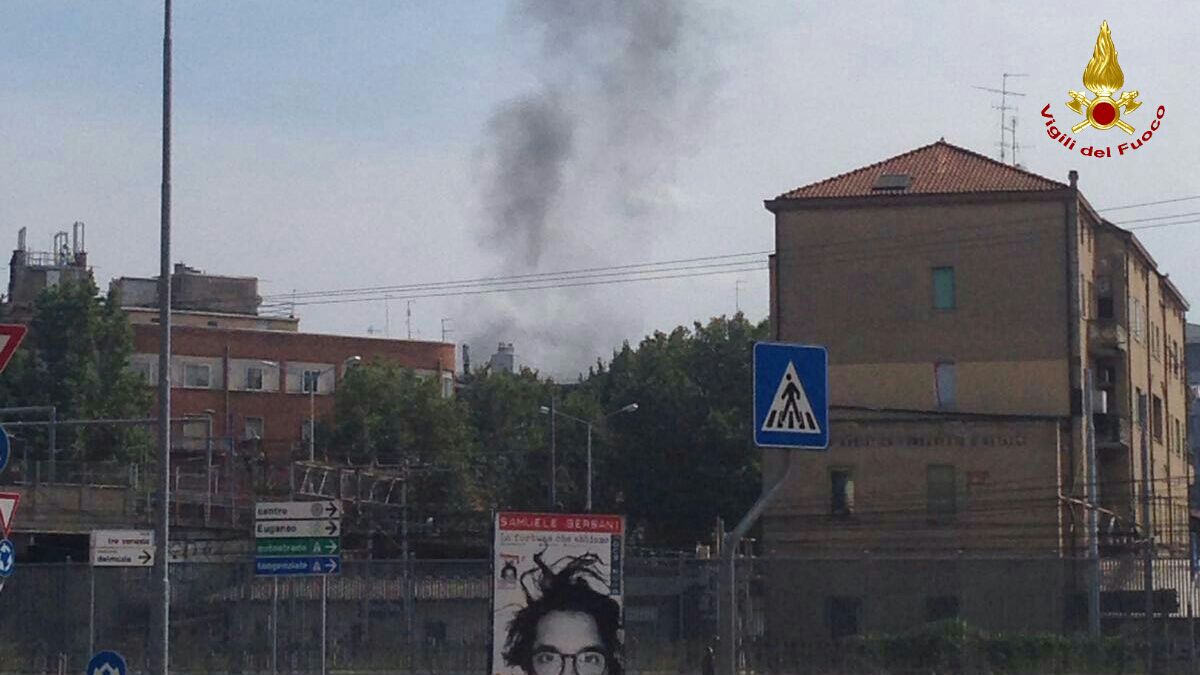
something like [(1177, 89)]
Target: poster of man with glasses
[(557, 594)]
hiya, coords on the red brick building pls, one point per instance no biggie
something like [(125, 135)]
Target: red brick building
[(256, 384)]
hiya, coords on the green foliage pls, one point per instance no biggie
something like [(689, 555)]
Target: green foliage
[(953, 646), (388, 416), (687, 455), (76, 357), (513, 436)]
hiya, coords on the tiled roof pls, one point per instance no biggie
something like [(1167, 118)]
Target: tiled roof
[(938, 168)]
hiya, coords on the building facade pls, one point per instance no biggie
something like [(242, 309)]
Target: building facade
[(984, 325), (253, 383)]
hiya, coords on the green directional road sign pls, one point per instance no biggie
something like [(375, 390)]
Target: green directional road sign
[(299, 546)]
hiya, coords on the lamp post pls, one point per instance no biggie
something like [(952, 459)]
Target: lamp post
[(312, 398), (208, 464), (545, 410)]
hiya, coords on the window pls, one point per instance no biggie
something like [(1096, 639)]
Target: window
[(841, 491), (1156, 420), (312, 381), (944, 385), (1137, 320), (1141, 406), (943, 288), (1104, 299), (941, 607), (1154, 343), (844, 615), (254, 378), (254, 428), (940, 490), (196, 375), (1090, 300)]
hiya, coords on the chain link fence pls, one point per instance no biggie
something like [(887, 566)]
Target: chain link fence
[(863, 615)]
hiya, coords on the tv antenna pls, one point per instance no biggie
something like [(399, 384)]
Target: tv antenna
[(1005, 130)]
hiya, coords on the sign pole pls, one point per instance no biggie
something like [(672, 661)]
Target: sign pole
[(92, 609), (324, 602), (274, 625)]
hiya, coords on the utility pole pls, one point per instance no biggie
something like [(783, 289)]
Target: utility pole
[(446, 331), (553, 459), (1147, 533), (408, 317), (1092, 516), (162, 625), (1004, 92)]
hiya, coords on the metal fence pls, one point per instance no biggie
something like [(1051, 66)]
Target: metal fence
[(797, 616)]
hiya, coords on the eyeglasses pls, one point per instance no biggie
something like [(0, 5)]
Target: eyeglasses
[(548, 661)]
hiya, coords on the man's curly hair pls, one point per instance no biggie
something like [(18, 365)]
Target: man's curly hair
[(564, 591)]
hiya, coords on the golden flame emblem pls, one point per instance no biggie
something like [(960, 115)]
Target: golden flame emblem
[(1102, 77)]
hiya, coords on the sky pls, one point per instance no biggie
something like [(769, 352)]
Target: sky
[(362, 144)]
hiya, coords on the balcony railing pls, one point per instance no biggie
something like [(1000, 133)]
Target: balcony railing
[(1107, 335), (1112, 431)]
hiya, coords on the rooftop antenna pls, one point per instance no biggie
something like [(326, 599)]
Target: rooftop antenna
[(1004, 107), (408, 318), (737, 295), (446, 331)]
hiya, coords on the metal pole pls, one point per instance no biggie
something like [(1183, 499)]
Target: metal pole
[(208, 466), (589, 467), (91, 609), (312, 419), (274, 625), (408, 603), (52, 437), (162, 648), (727, 597), (553, 459), (1092, 515), (324, 602), (1148, 533)]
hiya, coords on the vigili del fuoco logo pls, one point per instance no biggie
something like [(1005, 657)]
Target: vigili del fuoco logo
[(1103, 77)]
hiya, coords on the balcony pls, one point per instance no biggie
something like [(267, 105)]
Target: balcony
[(1107, 336), (1112, 432)]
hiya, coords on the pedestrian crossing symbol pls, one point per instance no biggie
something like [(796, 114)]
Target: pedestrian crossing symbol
[(791, 402), (790, 410)]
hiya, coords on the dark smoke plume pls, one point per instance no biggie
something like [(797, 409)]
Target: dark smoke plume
[(579, 172)]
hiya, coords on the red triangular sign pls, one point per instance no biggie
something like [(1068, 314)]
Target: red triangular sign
[(8, 507), (11, 334)]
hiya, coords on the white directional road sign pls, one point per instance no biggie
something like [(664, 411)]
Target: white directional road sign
[(297, 510), (122, 548), (297, 538), (297, 528)]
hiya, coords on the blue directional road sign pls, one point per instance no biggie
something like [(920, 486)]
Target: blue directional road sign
[(4, 447), (290, 566), (791, 396), (8, 558), (107, 663)]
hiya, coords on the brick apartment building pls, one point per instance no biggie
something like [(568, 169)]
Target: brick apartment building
[(965, 305), (255, 376)]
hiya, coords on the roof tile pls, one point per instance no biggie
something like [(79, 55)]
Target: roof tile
[(938, 168)]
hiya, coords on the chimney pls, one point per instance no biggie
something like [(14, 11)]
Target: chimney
[(466, 359), (1073, 176)]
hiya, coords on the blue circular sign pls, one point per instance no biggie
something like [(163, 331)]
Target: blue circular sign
[(3, 448), (8, 558), (107, 663)]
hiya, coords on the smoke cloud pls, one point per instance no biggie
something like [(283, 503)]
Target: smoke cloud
[(579, 172)]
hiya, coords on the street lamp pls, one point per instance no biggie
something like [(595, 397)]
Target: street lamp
[(312, 399), (545, 410)]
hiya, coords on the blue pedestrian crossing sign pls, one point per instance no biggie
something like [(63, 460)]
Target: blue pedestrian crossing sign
[(107, 663), (791, 396)]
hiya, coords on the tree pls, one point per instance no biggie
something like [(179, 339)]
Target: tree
[(76, 357), (687, 456), (386, 415), (513, 436)]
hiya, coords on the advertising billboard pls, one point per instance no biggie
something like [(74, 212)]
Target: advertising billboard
[(557, 594)]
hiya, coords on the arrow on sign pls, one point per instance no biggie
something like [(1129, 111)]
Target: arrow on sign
[(331, 565), (146, 557), (11, 335), (331, 509), (331, 528)]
